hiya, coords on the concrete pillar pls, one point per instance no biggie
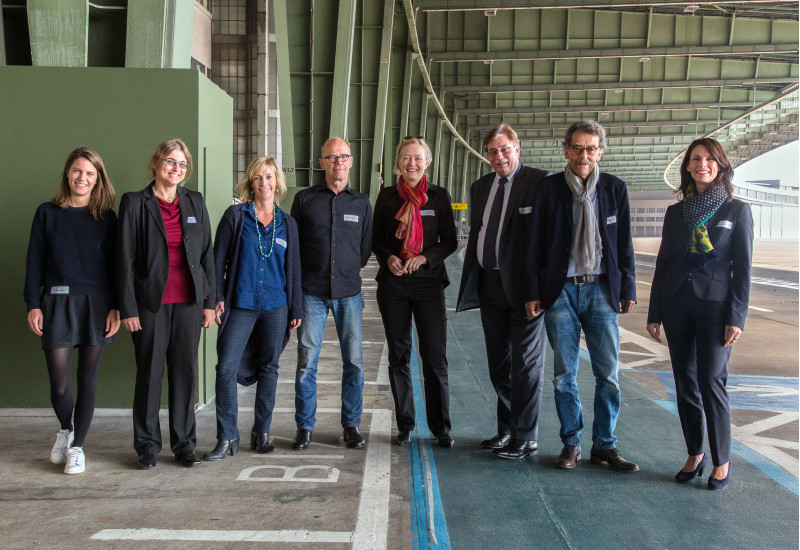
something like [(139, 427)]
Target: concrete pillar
[(59, 31), (159, 34)]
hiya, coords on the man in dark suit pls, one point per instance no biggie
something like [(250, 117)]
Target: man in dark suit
[(501, 206), (580, 269)]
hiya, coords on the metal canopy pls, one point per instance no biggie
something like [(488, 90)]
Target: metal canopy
[(656, 74)]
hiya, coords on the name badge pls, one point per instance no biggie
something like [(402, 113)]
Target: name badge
[(725, 224), (351, 218), (281, 242), (611, 219), (427, 213), (191, 219), (59, 290), (526, 209)]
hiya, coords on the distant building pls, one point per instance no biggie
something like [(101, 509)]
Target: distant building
[(647, 211)]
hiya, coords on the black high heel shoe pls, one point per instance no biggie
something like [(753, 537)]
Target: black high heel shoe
[(259, 442), (720, 483), (683, 477), (224, 446)]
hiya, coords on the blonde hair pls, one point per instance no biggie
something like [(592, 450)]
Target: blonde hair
[(244, 188), (102, 197), (410, 140), (164, 149)]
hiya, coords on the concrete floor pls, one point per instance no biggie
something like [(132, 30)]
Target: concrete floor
[(422, 496)]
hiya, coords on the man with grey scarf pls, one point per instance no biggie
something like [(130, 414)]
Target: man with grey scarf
[(580, 269)]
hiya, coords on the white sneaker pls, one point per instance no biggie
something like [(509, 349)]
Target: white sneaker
[(76, 461), (63, 440)]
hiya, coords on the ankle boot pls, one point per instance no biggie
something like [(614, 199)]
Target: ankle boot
[(224, 446), (259, 442)]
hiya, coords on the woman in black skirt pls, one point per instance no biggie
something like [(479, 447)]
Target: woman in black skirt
[(69, 289)]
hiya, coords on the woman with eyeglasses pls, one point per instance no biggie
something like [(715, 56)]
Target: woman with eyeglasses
[(413, 233), (69, 289), (165, 280), (700, 292), (259, 300)]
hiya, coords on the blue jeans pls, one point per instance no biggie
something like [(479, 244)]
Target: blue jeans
[(347, 314), (589, 307), (268, 328)]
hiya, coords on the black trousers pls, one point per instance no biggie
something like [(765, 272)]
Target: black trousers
[(515, 349), (172, 333), (400, 298), (695, 331)]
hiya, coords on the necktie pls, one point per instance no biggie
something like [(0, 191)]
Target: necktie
[(493, 227)]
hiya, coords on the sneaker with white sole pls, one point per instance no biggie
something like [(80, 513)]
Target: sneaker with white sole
[(63, 440), (76, 461)]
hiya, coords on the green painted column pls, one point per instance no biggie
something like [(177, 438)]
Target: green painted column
[(59, 31), (284, 93), (340, 99), (404, 112), (384, 77), (2, 40), (159, 34)]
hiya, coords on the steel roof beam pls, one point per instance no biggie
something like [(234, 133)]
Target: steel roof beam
[(728, 105), (641, 85), (603, 53), (483, 5)]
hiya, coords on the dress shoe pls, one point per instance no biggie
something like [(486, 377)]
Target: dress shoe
[(224, 446), (445, 441), (683, 477), (714, 484), (403, 438), (147, 461), (259, 442), (353, 437), (517, 448), (497, 442), (301, 439), (188, 459), (569, 457), (613, 459)]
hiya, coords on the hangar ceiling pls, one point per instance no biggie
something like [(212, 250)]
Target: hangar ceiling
[(656, 74)]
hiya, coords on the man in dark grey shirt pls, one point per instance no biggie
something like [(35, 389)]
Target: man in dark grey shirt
[(335, 228)]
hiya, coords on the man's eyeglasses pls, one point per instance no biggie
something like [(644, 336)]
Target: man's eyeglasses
[(333, 159), (578, 149), (172, 163), (505, 149)]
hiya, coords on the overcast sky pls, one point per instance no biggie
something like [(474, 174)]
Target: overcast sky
[(780, 163)]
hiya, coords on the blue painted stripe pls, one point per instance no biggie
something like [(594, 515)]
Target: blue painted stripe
[(422, 534), (778, 474)]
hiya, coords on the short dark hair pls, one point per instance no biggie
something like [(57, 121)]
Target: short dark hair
[(587, 127), (724, 175)]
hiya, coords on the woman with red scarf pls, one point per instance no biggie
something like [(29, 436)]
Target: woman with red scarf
[(413, 233)]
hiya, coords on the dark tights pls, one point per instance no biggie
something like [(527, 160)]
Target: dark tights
[(59, 365)]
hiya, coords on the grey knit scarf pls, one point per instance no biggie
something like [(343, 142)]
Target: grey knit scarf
[(587, 244)]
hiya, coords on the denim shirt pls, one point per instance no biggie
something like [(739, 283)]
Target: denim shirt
[(261, 282)]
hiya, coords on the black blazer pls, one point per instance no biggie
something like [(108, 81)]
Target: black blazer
[(142, 259), (513, 235), (550, 240), (439, 238), (726, 279)]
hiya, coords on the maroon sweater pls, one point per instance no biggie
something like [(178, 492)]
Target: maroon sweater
[(179, 287)]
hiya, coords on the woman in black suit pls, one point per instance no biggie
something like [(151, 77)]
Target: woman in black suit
[(700, 292), (413, 233), (165, 279)]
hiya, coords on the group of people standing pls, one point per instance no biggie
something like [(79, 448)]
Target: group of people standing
[(548, 254)]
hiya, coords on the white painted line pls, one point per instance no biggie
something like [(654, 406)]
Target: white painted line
[(774, 282), (372, 521), (761, 309), (215, 535), (383, 366), (297, 454), (644, 283)]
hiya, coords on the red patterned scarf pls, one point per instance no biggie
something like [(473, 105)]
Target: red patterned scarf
[(410, 228)]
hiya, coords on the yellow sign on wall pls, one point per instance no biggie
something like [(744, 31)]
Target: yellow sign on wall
[(459, 206)]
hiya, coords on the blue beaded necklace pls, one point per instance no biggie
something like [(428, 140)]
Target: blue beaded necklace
[(274, 229)]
